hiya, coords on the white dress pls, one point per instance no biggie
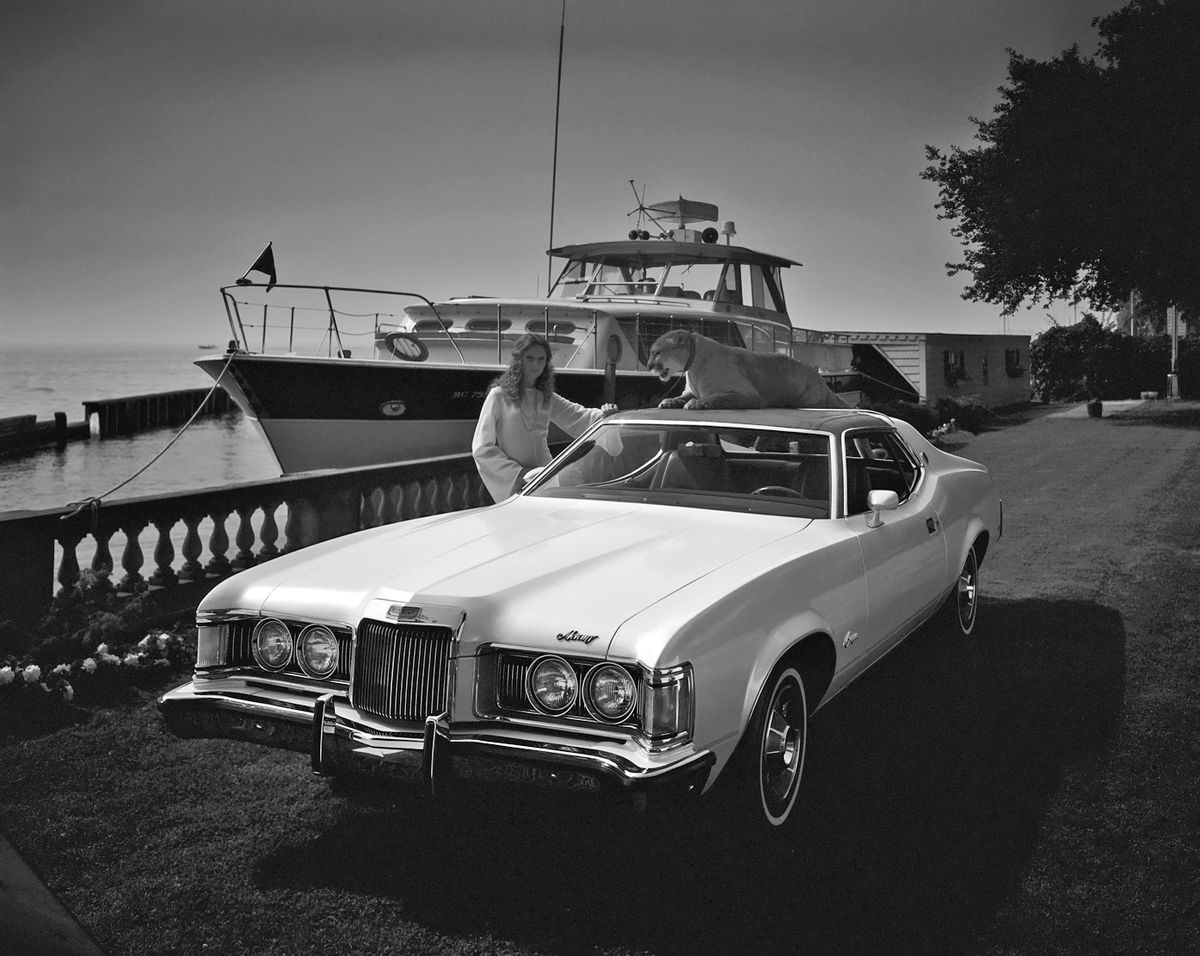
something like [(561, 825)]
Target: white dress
[(510, 439)]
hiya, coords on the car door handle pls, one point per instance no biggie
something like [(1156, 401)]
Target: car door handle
[(931, 525)]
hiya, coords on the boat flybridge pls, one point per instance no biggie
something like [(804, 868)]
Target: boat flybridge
[(613, 299), (418, 391)]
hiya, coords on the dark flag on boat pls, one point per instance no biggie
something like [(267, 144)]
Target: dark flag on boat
[(265, 263)]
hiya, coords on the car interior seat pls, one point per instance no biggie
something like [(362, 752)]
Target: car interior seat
[(695, 466)]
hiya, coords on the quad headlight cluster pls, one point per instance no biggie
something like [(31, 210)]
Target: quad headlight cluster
[(315, 649), (609, 691)]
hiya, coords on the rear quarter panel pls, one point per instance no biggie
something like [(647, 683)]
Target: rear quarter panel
[(967, 501)]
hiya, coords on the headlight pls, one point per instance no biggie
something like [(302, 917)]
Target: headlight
[(317, 651), (610, 692), (552, 685), (667, 706), (272, 644)]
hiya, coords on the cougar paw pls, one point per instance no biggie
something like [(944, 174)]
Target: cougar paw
[(672, 403), (696, 405)]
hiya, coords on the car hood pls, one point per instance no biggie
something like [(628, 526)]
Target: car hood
[(532, 571)]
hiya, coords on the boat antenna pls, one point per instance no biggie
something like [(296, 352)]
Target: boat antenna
[(643, 213), (562, 27)]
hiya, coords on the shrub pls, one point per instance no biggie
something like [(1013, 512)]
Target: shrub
[(95, 644)]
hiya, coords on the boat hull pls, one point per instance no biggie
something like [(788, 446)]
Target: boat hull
[(317, 413)]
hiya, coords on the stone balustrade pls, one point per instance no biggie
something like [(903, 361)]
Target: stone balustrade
[(195, 537)]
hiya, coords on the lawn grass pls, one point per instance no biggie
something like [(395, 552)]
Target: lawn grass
[(1032, 789)]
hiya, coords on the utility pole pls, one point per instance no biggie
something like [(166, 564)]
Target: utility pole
[(1173, 378)]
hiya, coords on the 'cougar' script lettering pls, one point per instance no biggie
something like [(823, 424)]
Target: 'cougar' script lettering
[(576, 636)]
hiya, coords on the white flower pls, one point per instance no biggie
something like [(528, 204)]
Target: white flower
[(32, 674), (164, 641), (68, 692), (102, 650), (89, 665), (131, 660), (62, 669), (144, 643), (7, 676)]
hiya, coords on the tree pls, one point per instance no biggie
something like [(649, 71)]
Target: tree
[(1087, 180)]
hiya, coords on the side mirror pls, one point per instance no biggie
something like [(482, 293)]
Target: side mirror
[(878, 501)]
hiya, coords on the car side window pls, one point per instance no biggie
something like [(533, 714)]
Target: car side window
[(877, 461)]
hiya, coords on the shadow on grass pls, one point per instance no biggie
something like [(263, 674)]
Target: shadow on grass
[(923, 799), (1162, 414)]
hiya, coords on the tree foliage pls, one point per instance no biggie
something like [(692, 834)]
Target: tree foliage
[(1091, 360), (1086, 182)]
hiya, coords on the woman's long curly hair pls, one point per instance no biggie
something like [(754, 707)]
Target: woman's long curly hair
[(512, 382)]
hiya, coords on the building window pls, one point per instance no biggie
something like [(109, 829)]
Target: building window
[(983, 370), (1012, 363), (954, 364)]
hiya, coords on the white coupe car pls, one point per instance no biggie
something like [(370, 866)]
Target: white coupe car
[(659, 610)]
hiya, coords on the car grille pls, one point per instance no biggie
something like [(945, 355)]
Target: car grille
[(400, 670)]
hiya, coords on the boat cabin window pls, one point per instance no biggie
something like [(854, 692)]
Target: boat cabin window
[(642, 330), (487, 325), (557, 327), (432, 325), (671, 276)]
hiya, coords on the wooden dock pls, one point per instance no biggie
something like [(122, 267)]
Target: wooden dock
[(24, 433), (20, 434), (138, 413)]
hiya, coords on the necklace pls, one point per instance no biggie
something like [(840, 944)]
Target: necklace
[(530, 423)]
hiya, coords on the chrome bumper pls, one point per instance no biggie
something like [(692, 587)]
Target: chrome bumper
[(341, 740)]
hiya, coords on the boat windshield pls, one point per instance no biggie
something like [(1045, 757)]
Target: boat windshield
[(719, 467), (671, 277)]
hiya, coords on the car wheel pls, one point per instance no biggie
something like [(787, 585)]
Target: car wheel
[(773, 748), (963, 604)]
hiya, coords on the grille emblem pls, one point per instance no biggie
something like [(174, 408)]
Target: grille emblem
[(405, 612)]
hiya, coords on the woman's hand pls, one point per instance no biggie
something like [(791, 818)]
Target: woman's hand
[(606, 410)]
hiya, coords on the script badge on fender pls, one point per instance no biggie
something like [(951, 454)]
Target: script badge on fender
[(580, 638)]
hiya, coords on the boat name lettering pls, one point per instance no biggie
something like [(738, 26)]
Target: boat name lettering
[(467, 393)]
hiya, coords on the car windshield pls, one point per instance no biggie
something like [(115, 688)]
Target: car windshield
[(728, 468)]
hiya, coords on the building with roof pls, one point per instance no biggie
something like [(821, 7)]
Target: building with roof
[(989, 370)]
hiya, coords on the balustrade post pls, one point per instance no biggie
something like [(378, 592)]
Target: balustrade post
[(218, 544), (387, 507), (310, 523), (102, 562), (454, 497), (68, 570), (269, 533), (293, 528), (132, 558), (164, 555), (410, 493), (192, 569), (368, 516), (244, 539)]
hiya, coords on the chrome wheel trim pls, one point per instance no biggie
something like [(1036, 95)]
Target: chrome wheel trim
[(782, 747), (967, 593)]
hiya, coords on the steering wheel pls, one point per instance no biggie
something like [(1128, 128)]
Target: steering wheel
[(777, 490)]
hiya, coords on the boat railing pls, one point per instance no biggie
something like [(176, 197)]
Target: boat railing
[(258, 323), (196, 538)]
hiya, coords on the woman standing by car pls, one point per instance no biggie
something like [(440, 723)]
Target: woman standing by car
[(512, 435)]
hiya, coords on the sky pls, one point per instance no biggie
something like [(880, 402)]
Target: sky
[(150, 150)]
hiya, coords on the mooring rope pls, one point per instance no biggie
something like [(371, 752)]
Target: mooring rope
[(93, 503)]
